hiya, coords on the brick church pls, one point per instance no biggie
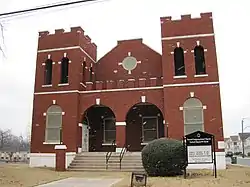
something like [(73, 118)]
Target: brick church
[(130, 96)]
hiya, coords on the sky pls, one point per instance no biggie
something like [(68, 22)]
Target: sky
[(106, 22)]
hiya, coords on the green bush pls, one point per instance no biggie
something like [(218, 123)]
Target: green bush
[(248, 154), (164, 157)]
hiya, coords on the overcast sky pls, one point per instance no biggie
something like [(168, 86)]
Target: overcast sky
[(108, 21)]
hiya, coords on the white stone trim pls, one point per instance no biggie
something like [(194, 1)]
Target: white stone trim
[(63, 113), (204, 75), (204, 107), (83, 85), (67, 48), (64, 84), (51, 143), (187, 36), (46, 85), (53, 63), (144, 143), (142, 79), (180, 77), (43, 64), (48, 159), (143, 99), (108, 144), (44, 114), (130, 89), (59, 62), (89, 82), (153, 78), (54, 102), (49, 56), (79, 124), (97, 101), (191, 94), (131, 79), (121, 123), (60, 147), (181, 108), (191, 84)]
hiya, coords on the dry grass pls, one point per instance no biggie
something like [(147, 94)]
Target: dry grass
[(21, 175)]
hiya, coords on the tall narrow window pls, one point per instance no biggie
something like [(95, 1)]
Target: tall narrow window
[(149, 129), (53, 124), (83, 71), (199, 56), (193, 116), (48, 72), (90, 74), (109, 130), (64, 70), (179, 61)]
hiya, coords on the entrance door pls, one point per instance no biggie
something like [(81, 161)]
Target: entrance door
[(134, 142)]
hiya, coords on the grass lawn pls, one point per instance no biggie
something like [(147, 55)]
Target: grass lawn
[(21, 175)]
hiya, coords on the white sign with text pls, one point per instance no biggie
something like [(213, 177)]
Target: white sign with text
[(199, 154)]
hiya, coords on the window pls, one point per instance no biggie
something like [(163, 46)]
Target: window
[(179, 61), (200, 66), (109, 130), (48, 72), (53, 124), (193, 116), (64, 70), (149, 129), (91, 74), (83, 71)]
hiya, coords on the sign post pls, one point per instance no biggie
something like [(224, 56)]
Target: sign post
[(200, 149)]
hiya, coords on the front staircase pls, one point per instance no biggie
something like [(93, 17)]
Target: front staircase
[(112, 161)]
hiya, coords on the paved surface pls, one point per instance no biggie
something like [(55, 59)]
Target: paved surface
[(82, 182)]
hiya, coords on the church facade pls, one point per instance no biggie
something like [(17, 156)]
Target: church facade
[(129, 97)]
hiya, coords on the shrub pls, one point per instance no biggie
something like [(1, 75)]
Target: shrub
[(163, 157), (248, 154)]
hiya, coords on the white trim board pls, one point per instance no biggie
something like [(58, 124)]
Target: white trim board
[(188, 36), (130, 89), (66, 48)]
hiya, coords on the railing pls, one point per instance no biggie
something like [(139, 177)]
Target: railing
[(122, 154), (108, 155)]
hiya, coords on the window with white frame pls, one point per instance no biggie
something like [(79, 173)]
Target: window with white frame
[(149, 129), (109, 130), (193, 116), (53, 124)]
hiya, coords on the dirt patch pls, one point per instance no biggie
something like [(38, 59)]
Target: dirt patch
[(14, 175)]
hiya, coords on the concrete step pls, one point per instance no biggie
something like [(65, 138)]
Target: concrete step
[(105, 170)]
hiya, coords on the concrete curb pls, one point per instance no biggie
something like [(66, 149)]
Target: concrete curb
[(238, 165)]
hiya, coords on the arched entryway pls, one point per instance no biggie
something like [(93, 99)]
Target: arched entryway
[(144, 123), (100, 121)]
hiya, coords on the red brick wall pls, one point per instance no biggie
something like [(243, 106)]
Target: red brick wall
[(167, 99)]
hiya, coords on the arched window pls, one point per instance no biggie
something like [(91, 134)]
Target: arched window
[(193, 116), (90, 74), (64, 70), (200, 66), (48, 72), (179, 61), (83, 71), (53, 124)]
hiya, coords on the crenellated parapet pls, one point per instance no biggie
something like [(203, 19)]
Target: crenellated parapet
[(124, 84), (187, 25), (75, 37)]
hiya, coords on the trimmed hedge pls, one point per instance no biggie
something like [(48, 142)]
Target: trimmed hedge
[(163, 157)]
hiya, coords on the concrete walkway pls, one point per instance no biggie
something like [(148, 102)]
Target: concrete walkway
[(82, 182)]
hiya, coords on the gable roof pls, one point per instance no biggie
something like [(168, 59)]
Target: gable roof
[(234, 138), (244, 135)]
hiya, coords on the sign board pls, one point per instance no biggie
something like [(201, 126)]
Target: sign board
[(200, 149), (85, 138)]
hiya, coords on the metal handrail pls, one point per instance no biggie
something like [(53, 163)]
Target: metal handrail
[(108, 155), (122, 154)]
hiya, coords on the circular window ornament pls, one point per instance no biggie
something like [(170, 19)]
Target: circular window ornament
[(129, 63)]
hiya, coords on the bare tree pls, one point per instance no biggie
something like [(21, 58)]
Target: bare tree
[(5, 138)]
